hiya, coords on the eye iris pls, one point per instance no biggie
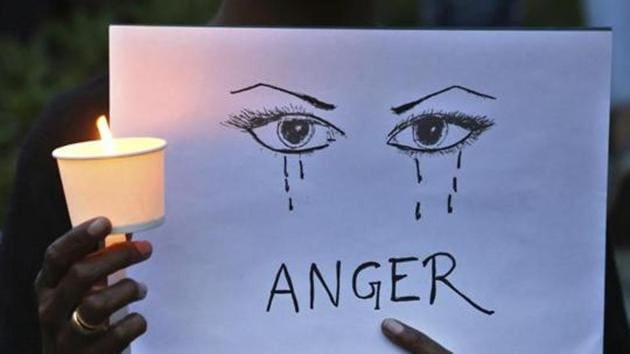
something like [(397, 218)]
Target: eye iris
[(295, 132), (429, 131)]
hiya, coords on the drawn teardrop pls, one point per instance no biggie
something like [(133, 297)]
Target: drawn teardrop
[(418, 211), (287, 187), (418, 173)]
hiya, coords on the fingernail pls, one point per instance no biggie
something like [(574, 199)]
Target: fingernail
[(144, 247), (98, 227), (142, 290), (392, 326)]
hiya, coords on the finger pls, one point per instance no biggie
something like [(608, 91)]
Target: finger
[(69, 340), (410, 339), (119, 336), (84, 274), (69, 248), (98, 306), (110, 240)]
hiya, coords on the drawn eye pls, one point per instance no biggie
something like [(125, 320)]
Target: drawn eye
[(287, 130), (437, 132)]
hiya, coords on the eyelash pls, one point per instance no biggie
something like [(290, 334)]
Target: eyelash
[(476, 124), (248, 119)]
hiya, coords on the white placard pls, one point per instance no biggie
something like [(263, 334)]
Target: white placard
[(455, 180)]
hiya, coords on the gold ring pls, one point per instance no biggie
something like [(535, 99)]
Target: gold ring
[(84, 328)]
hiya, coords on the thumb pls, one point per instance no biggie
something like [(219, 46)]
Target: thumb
[(410, 339)]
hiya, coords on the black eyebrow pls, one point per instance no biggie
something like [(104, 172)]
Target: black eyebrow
[(310, 99), (407, 106)]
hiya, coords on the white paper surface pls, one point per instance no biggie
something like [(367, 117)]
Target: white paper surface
[(528, 213)]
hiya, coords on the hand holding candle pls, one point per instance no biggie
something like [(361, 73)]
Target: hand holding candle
[(123, 180), (68, 286)]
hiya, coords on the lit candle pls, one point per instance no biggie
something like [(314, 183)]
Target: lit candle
[(119, 178)]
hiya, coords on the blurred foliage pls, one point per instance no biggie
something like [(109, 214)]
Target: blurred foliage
[(553, 13), (64, 51), (397, 13)]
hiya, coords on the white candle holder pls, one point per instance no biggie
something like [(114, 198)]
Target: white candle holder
[(121, 179)]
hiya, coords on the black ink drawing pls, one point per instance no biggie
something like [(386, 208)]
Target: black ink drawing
[(288, 130), (433, 132), (304, 97), (331, 284)]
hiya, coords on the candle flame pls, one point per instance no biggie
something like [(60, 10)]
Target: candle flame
[(105, 132), (103, 128)]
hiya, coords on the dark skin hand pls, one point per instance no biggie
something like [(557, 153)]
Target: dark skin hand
[(72, 277), (410, 339)]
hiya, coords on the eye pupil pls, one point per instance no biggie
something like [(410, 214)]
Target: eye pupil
[(429, 131), (294, 132)]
